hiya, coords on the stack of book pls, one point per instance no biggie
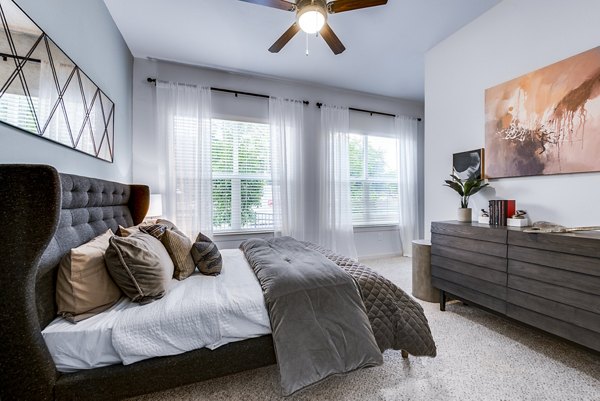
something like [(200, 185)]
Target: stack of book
[(500, 210)]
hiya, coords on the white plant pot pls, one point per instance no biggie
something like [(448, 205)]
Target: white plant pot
[(465, 214)]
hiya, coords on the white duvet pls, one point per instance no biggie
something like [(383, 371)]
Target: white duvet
[(200, 311)]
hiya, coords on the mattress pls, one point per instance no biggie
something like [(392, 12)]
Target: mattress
[(200, 311)]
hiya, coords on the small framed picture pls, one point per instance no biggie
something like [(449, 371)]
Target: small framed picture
[(468, 165)]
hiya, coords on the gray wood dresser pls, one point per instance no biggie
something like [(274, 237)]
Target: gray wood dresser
[(549, 281)]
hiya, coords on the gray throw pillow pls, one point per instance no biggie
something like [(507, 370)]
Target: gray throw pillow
[(140, 265), (206, 256)]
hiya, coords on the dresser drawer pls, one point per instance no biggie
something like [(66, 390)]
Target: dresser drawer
[(580, 243), (585, 337), (482, 232), (557, 293), (474, 258), (483, 273), (579, 317), (470, 244), (558, 260), (560, 277), (486, 287)]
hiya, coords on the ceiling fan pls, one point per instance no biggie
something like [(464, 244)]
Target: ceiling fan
[(311, 17)]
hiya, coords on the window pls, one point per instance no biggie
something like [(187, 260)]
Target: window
[(241, 174), (373, 179), (15, 110)]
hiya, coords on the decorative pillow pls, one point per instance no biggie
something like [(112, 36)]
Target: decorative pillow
[(179, 246), (140, 265), (170, 226), (84, 287), (155, 230), (206, 256), (127, 231)]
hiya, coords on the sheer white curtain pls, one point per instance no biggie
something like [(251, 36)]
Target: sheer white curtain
[(406, 131), (286, 120), (184, 124), (335, 218), (48, 95)]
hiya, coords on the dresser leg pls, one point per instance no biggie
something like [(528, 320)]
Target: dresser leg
[(442, 300), (404, 354)]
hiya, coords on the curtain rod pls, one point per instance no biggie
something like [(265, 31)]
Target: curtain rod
[(5, 57), (369, 111), (236, 93)]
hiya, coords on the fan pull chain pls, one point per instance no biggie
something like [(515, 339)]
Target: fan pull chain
[(307, 44)]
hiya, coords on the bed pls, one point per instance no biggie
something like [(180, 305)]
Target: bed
[(47, 214)]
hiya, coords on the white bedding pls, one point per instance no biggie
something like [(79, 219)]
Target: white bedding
[(198, 312)]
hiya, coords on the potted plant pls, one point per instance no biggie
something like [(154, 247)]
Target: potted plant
[(465, 189)]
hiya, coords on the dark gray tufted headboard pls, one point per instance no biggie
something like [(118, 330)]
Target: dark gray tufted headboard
[(45, 214), (89, 207)]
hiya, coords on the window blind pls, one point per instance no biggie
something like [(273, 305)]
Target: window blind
[(373, 179), (15, 110), (241, 173)]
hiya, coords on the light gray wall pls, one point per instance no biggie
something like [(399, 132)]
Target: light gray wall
[(370, 242), (513, 38), (86, 32)]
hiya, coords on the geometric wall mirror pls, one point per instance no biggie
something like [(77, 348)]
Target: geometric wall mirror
[(44, 93)]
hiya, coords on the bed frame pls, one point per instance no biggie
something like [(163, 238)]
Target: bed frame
[(45, 215)]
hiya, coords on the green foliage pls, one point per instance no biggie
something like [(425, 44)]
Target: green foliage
[(252, 192), (221, 202), (248, 153), (465, 188)]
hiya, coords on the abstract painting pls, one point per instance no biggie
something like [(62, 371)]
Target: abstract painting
[(547, 121), (468, 165)]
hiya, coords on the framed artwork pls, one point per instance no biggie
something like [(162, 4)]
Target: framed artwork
[(44, 93), (547, 121), (468, 165)]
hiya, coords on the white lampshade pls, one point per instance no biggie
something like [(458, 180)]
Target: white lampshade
[(312, 18), (156, 207)]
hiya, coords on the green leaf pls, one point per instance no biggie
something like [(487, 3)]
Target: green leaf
[(455, 186), (469, 186), (475, 190)]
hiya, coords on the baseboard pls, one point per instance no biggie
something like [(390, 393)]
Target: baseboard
[(380, 256)]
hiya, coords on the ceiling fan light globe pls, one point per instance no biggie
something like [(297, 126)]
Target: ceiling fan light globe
[(311, 19)]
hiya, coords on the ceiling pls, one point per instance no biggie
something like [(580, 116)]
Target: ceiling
[(385, 45)]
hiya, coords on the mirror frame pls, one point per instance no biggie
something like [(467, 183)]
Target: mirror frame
[(76, 76)]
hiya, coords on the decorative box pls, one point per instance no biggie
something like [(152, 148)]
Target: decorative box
[(518, 222)]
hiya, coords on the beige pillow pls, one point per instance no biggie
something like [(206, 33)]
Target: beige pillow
[(140, 265), (127, 231), (84, 287), (179, 246)]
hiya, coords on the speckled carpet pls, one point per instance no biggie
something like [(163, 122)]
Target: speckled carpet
[(480, 357)]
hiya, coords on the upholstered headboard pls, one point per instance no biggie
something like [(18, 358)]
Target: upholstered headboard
[(45, 214)]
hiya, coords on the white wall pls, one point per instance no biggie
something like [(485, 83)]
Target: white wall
[(511, 39), (145, 143), (87, 34)]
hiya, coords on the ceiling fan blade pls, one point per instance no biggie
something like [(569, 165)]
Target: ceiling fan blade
[(280, 4), (332, 40), (339, 6), (286, 37)]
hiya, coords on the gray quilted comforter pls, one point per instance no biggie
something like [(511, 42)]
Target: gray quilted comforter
[(318, 324), (398, 321)]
